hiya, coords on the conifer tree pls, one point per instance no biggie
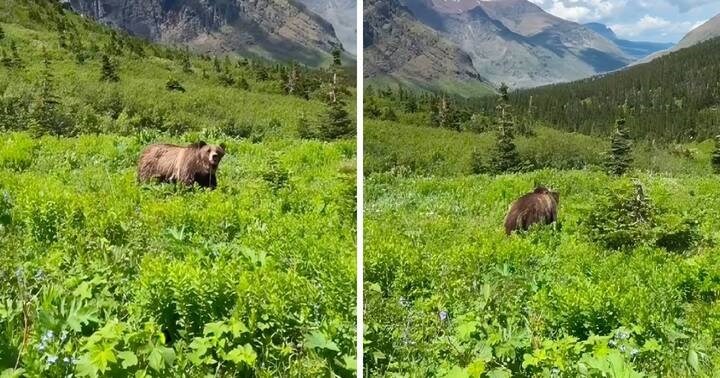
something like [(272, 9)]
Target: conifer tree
[(620, 157), (371, 108), (716, 156), (5, 59), (337, 62), (505, 157), (444, 115), (15, 59), (185, 62), (411, 105), (108, 72), (243, 84), (216, 64), (336, 123), (389, 114), (45, 116)]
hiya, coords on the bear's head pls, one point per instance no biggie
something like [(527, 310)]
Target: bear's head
[(210, 153)]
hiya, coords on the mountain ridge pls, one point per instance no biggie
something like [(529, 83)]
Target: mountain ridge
[(635, 49), (515, 41), (272, 29)]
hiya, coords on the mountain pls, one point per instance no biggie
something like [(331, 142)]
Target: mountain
[(401, 50), (708, 30), (634, 49), (274, 29), (704, 32), (673, 98), (343, 17), (516, 42)]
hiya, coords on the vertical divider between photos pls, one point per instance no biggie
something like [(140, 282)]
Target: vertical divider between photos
[(359, 306)]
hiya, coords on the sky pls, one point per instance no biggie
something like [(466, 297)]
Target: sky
[(638, 20)]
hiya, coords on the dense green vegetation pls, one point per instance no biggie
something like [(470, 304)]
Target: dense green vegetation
[(626, 284), (675, 97), (448, 294), (100, 276)]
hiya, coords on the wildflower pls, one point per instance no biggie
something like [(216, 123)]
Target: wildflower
[(634, 352), (51, 359), (47, 337), (443, 315)]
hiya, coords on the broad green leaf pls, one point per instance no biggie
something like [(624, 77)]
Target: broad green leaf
[(242, 355), (456, 372), (476, 368), (465, 330), (318, 340), (499, 373), (128, 359), (155, 360), (693, 360)]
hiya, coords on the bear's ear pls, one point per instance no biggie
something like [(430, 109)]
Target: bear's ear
[(222, 145), (198, 144)]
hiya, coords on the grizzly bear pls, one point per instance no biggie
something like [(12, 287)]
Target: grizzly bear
[(540, 206), (196, 163)]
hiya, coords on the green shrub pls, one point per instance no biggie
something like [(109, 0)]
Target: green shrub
[(182, 295), (622, 218)]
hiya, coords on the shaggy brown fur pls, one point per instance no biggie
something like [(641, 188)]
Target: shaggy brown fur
[(196, 163), (540, 206)]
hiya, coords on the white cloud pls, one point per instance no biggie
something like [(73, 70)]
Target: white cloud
[(583, 10), (649, 24)]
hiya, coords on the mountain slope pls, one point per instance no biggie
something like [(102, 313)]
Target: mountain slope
[(343, 17), (674, 97), (704, 32), (708, 30), (400, 49), (516, 42), (275, 29), (634, 49)]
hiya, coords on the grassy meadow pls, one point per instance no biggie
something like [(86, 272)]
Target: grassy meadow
[(626, 284), (102, 277)]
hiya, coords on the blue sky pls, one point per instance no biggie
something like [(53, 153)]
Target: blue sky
[(646, 20)]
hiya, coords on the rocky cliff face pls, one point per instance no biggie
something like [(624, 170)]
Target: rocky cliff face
[(275, 29), (399, 47), (516, 42), (343, 17)]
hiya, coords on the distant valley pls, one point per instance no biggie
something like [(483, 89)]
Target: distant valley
[(497, 41)]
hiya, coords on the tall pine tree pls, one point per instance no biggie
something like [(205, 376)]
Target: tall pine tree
[(505, 157), (336, 123), (336, 58), (620, 157), (45, 116)]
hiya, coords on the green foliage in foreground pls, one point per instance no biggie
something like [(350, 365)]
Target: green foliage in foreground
[(447, 294), (102, 277)]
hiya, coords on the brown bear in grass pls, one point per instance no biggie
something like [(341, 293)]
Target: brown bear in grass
[(540, 206), (196, 163)]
